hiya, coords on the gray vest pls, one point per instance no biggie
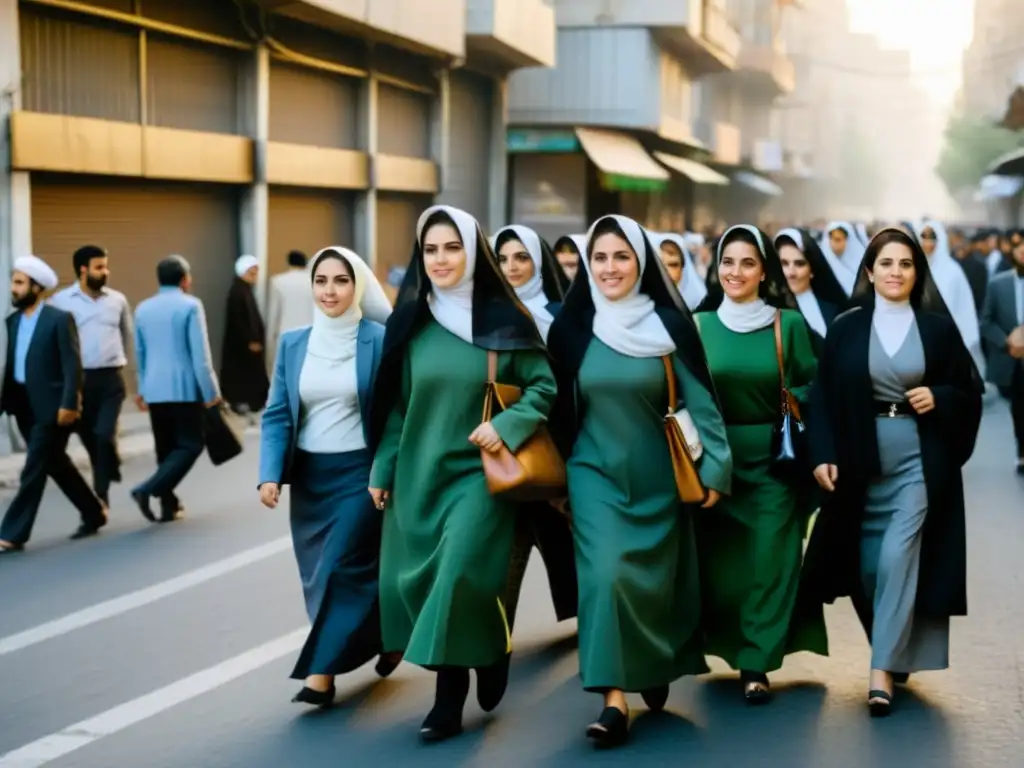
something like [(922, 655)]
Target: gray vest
[(891, 377)]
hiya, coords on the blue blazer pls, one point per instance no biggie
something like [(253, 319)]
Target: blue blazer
[(282, 417), (172, 349)]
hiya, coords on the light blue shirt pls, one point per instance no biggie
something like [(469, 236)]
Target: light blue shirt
[(104, 325), (1019, 285), (26, 328)]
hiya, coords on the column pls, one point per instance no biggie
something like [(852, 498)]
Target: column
[(498, 213), (255, 201), (440, 129), (366, 204)]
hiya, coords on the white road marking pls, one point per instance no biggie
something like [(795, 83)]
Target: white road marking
[(139, 598), (81, 734)]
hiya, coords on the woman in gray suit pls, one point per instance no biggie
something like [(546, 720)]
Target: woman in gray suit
[(314, 438)]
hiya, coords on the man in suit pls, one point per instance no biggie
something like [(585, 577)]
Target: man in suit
[(42, 390), (176, 381), (288, 304), (1002, 327)]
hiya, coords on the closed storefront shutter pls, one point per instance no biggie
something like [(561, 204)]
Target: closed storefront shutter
[(140, 223), (467, 183), (396, 229), (307, 220)]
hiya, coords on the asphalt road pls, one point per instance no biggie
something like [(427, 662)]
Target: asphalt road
[(171, 646)]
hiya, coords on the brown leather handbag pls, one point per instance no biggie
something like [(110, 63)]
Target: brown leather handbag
[(536, 471), (688, 483)]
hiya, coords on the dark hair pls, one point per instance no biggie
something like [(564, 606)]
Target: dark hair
[(440, 217), (925, 293), (84, 255), (331, 253), (607, 226), (566, 243), (296, 259), (774, 289), (171, 271), (839, 229)]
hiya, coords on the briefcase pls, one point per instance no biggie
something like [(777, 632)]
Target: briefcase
[(223, 435)]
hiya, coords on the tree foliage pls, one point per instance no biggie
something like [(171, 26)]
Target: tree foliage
[(970, 146)]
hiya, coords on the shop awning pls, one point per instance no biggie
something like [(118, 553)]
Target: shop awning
[(758, 183), (623, 161), (995, 187), (691, 169)]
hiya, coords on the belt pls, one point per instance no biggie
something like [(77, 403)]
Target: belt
[(893, 410)]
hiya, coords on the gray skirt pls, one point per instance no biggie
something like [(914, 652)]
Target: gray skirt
[(894, 513), (336, 538)]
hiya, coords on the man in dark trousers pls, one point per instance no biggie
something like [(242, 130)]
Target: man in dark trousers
[(104, 322), (1002, 328), (176, 380), (42, 390)]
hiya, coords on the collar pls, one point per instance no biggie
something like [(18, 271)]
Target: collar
[(76, 290)]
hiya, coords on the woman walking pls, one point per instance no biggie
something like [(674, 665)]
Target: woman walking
[(447, 541), (895, 412), (243, 371), (622, 328), (751, 548), (314, 438)]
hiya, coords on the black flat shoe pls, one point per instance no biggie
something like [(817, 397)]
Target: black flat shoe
[(901, 678), (142, 501), (445, 719), (8, 548), (611, 729), (387, 663), (880, 708), (323, 699), (756, 688), (85, 531), (491, 683), (655, 698)]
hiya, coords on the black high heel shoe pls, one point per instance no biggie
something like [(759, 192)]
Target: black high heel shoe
[(445, 719), (491, 683), (756, 688), (387, 663), (611, 729), (322, 699), (655, 698)]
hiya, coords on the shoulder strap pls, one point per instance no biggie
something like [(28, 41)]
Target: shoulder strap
[(670, 377), (779, 359), (492, 366)]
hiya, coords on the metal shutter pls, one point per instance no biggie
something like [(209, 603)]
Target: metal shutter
[(396, 229), (307, 220), (140, 223)]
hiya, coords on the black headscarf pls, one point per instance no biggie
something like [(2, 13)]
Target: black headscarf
[(573, 329), (553, 281), (924, 297), (823, 280), (773, 289), (500, 321)]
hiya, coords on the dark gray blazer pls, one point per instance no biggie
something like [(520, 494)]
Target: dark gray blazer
[(998, 319), (53, 366)]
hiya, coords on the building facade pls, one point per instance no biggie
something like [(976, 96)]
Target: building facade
[(218, 128)]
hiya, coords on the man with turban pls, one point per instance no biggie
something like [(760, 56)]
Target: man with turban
[(42, 390), (243, 372)]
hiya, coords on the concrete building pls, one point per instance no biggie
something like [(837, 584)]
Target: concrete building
[(218, 128), (993, 64)]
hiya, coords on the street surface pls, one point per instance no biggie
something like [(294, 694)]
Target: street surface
[(170, 646)]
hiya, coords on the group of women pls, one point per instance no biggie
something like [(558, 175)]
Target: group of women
[(862, 401)]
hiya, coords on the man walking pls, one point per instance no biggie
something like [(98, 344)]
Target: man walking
[(176, 379), (42, 390), (288, 304), (104, 323)]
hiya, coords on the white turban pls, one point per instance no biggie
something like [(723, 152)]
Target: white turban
[(245, 263), (38, 270)]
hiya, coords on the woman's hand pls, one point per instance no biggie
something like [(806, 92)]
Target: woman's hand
[(486, 437), (712, 499), (826, 475), (270, 494), (380, 497), (921, 400)]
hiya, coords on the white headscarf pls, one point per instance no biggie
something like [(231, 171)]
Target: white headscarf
[(806, 301), (531, 293), (844, 267), (38, 270), (335, 338), (453, 307), (750, 315), (956, 292), (690, 286), (630, 325), (245, 263)]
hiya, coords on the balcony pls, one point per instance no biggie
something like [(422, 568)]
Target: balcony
[(720, 34), (511, 34), (435, 28), (767, 69), (723, 140)]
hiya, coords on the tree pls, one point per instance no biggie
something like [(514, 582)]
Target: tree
[(969, 148)]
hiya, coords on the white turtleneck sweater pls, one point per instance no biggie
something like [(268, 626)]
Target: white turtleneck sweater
[(331, 421), (892, 321)]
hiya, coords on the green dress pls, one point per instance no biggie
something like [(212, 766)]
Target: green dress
[(751, 544), (639, 593), (446, 541)]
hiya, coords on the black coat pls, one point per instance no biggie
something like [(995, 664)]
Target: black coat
[(243, 373), (841, 431)]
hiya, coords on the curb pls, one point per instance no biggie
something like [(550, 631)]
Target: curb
[(131, 446)]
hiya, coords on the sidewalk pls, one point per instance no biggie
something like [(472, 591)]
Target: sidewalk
[(135, 440)]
